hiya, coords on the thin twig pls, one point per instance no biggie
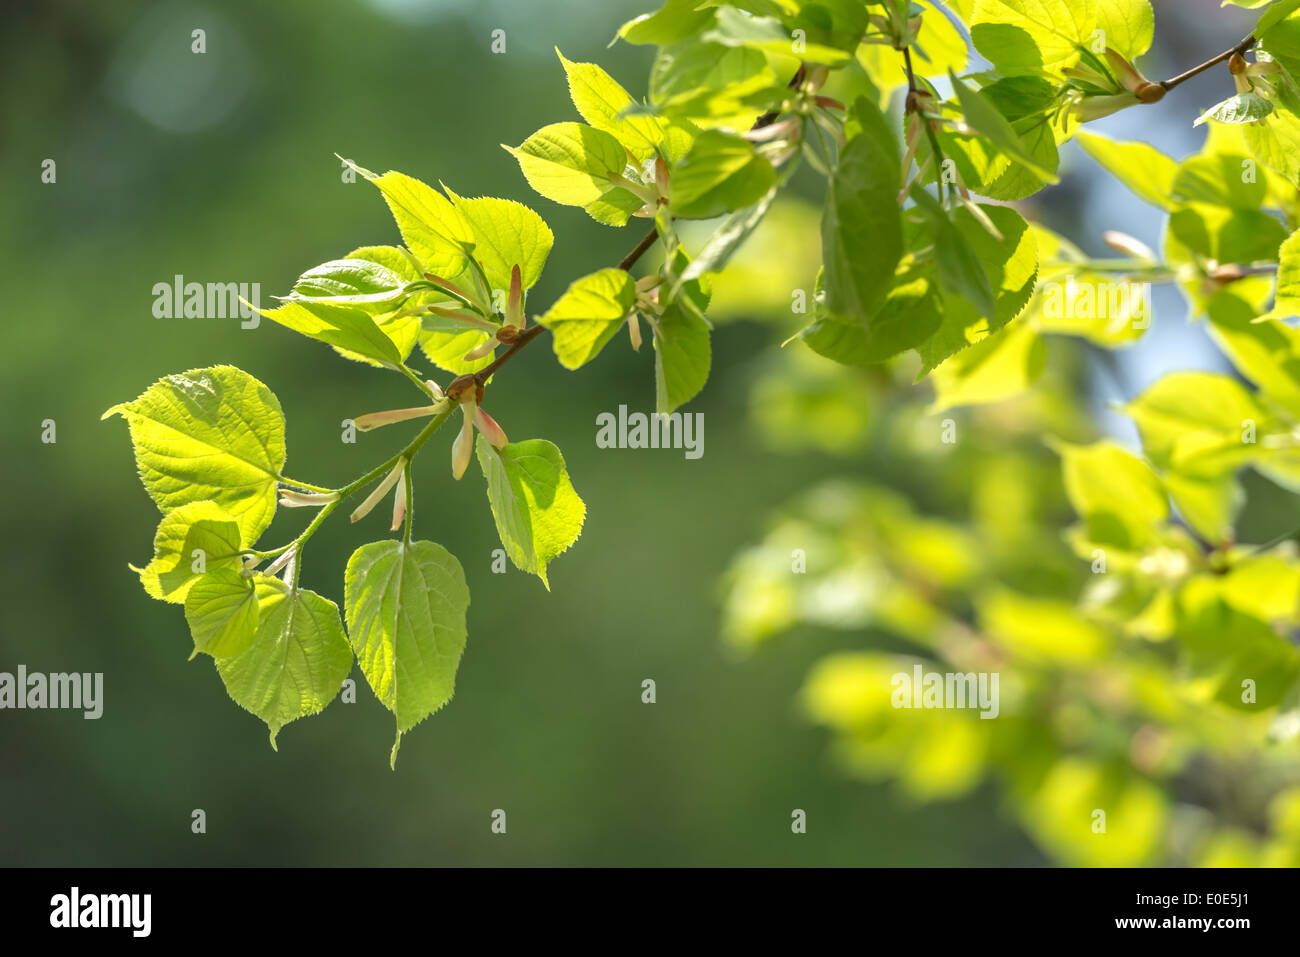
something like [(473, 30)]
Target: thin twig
[(1241, 47)]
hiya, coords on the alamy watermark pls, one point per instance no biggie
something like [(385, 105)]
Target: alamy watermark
[(932, 689), (179, 299), (75, 909), (1128, 302), (658, 430), (37, 691)]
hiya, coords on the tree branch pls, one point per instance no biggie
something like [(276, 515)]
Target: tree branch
[(1241, 47)]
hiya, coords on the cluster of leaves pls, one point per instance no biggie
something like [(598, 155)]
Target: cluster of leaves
[(1115, 691), (1150, 658)]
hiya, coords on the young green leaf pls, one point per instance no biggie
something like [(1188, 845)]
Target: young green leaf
[(1127, 25), (351, 282), (909, 316), (221, 608), (998, 367), (1142, 168), (347, 329), (712, 84), (447, 350), (603, 103), (191, 541), (1198, 423), (537, 513), (682, 357), (984, 117), (1031, 36), (1115, 492), (862, 232), (587, 316), (571, 163), (675, 20), (297, 660), (721, 173), (209, 435), (506, 234), (406, 606), (435, 232)]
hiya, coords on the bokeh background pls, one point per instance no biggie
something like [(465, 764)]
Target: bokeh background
[(221, 167)]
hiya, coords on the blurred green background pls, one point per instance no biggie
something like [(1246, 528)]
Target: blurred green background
[(221, 167)]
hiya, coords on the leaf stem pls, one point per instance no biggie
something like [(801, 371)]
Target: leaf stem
[(410, 504), (305, 486), (379, 471), (419, 384)]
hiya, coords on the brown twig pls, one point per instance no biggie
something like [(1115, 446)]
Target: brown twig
[(1241, 47)]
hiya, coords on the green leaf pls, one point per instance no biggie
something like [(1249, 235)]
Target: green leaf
[(682, 357), (297, 660), (1195, 423), (537, 513), (589, 313), (675, 20), (1011, 265), (1149, 173), (711, 83), (1115, 492), (721, 173), (1128, 25), (1209, 505), (347, 329), (447, 350), (1287, 302), (984, 117), (1275, 140), (862, 233), (1267, 353), (1274, 15), (506, 234), (403, 330), (603, 103), (193, 540), (1028, 103), (351, 282), (221, 609), (996, 368), (406, 607), (730, 236), (1216, 178), (1224, 235), (961, 273), (1030, 36), (1041, 631), (1247, 107), (438, 235), (824, 39), (1225, 648), (213, 435), (909, 316), (571, 163)]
